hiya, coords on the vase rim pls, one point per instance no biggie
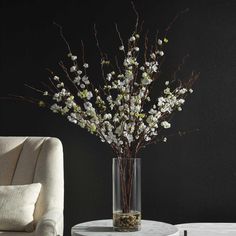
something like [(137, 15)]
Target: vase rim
[(126, 158)]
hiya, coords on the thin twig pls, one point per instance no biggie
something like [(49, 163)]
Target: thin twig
[(100, 52), (174, 20), (61, 64), (179, 68), (117, 64), (35, 89), (146, 46), (119, 35), (137, 17), (62, 36), (83, 56), (48, 87)]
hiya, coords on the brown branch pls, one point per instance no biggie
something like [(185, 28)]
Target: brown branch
[(35, 89), (24, 99), (146, 46), (57, 90), (117, 64), (47, 87), (156, 40), (180, 133), (141, 27), (179, 68), (137, 17), (174, 20), (61, 64), (83, 56), (62, 36), (100, 52)]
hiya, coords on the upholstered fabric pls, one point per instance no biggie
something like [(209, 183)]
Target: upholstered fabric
[(5, 233), (25, 160), (17, 203)]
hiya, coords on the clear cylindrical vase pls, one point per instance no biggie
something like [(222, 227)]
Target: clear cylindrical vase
[(126, 194)]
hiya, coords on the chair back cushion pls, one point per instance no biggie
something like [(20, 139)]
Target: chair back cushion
[(17, 204)]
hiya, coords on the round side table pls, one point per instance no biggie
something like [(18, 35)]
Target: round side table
[(207, 229), (104, 228)]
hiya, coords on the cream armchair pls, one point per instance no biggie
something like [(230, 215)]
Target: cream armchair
[(25, 160)]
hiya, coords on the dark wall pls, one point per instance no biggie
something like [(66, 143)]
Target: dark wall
[(190, 178)]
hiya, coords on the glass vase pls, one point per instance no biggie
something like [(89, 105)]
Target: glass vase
[(126, 194)]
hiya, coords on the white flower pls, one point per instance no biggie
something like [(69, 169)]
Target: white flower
[(130, 138), (120, 76), (55, 108), (77, 80), (85, 65), (153, 56), (161, 101), (154, 68), (165, 124), (190, 90), (73, 58), (107, 116), (152, 111), (136, 49), (122, 48), (72, 118), (109, 98), (88, 105), (183, 91), (161, 53), (73, 68), (146, 81), (119, 130), (144, 74), (56, 78), (181, 101), (167, 91), (159, 41), (129, 75), (147, 138), (142, 68), (167, 83), (129, 53), (45, 93), (89, 95), (179, 108), (109, 76), (132, 39), (85, 79), (60, 85), (165, 139)]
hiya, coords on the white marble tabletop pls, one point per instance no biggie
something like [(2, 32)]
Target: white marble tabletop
[(104, 228), (208, 229)]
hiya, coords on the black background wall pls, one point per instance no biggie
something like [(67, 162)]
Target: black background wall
[(190, 178)]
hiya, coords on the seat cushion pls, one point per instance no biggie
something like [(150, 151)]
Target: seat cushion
[(4, 233)]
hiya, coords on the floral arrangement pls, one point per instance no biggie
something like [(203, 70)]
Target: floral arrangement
[(120, 111)]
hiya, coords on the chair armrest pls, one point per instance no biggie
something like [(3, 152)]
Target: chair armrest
[(51, 224)]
